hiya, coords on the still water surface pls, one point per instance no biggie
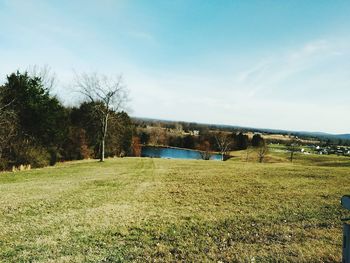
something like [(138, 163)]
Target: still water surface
[(174, 153)]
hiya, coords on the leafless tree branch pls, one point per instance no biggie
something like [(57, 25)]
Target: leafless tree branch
[(48, 78), (108, 95), (224, 142)]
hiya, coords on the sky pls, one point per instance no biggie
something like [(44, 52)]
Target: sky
[(264, 64)]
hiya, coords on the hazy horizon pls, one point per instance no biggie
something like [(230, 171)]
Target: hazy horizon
[(277, 65), (237, 125)]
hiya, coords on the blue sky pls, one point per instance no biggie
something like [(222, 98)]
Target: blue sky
[(273, 64)]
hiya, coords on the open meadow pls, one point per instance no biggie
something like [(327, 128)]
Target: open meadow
[(142, 209)]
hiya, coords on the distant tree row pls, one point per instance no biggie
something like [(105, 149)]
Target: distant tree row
[(38, 130), (319, 139), (206, 140)]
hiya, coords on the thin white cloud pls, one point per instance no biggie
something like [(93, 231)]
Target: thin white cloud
[(279, 70), (314, 48)]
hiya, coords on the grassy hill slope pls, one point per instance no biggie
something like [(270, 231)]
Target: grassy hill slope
[(135, 209)]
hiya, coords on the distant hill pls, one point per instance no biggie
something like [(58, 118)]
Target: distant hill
[(344, 136), (324, 135), (304, 134)]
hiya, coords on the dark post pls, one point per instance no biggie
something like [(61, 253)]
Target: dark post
[(346, 243), (345, 202)]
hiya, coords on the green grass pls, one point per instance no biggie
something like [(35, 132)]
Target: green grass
[(135, 209)]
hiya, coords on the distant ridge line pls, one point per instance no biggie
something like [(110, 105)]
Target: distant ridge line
[(323, 135)]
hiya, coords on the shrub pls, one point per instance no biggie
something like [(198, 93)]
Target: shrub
[(4, 165), (27, 153)]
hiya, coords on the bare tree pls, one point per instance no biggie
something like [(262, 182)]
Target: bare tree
[(158, 135), (224, 142), (204, 150), (262, 151), (108, 94), (179, 128), (48, 78), (292, 148)]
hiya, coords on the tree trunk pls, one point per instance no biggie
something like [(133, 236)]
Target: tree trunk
[(104, 133), (102, 157)]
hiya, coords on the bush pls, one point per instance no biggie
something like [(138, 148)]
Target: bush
[(4, 165), (26, 154)]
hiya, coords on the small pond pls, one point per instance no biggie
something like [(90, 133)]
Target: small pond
[(174, 153)]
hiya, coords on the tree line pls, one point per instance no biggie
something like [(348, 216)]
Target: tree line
[(206, 141), (38, 130)]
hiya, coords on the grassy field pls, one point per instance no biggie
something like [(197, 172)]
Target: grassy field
[(135, 209)]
